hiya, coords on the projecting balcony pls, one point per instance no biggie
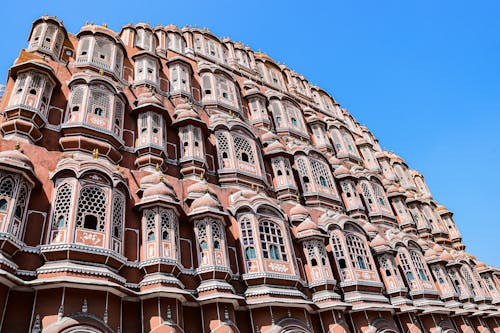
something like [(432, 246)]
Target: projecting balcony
[(96, 63)]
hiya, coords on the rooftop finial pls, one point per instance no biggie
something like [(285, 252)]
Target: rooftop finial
[(157, 167), (95, 153), (17, 146)]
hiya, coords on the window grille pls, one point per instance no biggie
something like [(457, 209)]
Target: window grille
[(37, 35), (49, 37), (272, 242), (150, 224), (247, 238), (403, 259), (322, 175), (243, 148), (103, 49), (118, 214), (92, 202), (21, 202), (222, 147), (99, 102), (358, 252), (62, 206), (7, 187)]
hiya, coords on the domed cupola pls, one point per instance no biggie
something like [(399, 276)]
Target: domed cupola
[(47, 37), (298, 213), (100, 50), (157, 190)]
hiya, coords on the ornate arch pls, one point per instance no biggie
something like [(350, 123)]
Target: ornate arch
[(79, 323)]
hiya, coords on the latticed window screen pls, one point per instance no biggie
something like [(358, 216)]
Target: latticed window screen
[(358, 252), (99, 102), (322, 175), (76, 100), (118, 116), (168, 226), (21, 202), (247, 238), (337, 247), (225, 88), (222, 146), (304, 174), (103, 49), (216, 234), (62, 206), (349, 141), (271, 240), (405, 265), (337, 141), (150, 224), (36, 37), (468, 278), (277, 115), (83, 49), (175, 42), (20, 83), (58, 43), (7, 187), (118, 214), (92, 201), (49, 36), (243, 148), (316, 252)]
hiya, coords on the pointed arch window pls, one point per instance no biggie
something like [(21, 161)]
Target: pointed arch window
[(416, 259), (211, 240)]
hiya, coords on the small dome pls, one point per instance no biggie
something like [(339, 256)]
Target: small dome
[(342, 171), (198, 189), (185, 111), (17, 157), (151, 179), (149, 98), (306, 225), (378, 241), (438, 248), (392, 189), (334, 161), (269, 137), (159, 189), (430, 253), (370, 228), (274, 146), (298, 212), (445, 255), (208, 201), (480, 264)]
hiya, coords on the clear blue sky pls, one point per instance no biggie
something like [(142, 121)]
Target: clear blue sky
[(422, 75)]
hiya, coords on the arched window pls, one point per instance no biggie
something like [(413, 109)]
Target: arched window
[(416, 259), (209, 234), (358, 252), (243, 150), (118, 214), (150, 225), (272, 241), (405, 265), (338, 250), (62, 205), (247, 238), (91, 209)]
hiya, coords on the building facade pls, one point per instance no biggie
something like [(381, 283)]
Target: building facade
[(164, 180)]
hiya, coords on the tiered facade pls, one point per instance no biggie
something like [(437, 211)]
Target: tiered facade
[(164, 180)]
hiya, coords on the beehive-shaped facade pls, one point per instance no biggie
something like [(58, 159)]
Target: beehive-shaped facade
[(161, 179)]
